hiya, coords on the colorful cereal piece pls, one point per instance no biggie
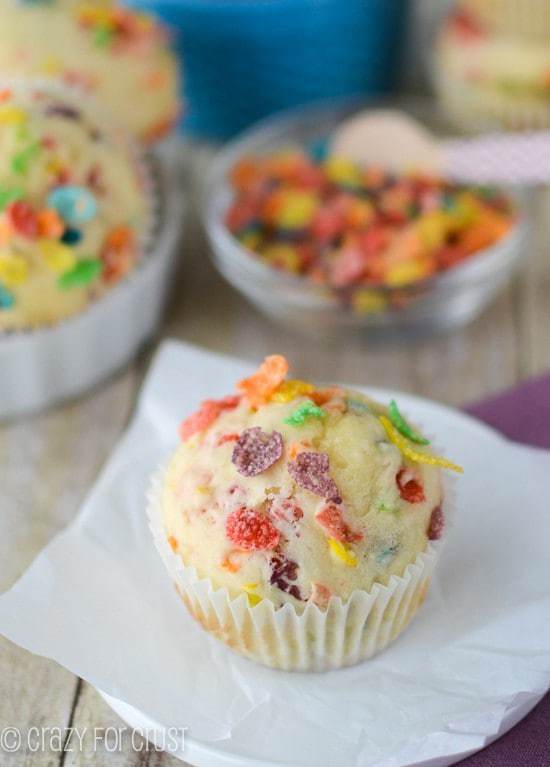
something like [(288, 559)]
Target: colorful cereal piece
[(296, 210), (71, 236), (320, 595), (256, 451), (369, 301), (414, 455), (437, 524), (311, 471), (410, 488), (306, 411), (23, 219), (75, 204), (403, 427), (50, 224), (283, 572), (205, 416), (252, 595), (83, 272), (332, 521), (259, 387), (250, 530), (7, 299), (342, 553), (59, 258), (14, 270), (9, 195), (12, 115), (289, 390)]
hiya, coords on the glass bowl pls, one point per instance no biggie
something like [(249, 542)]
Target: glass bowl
[(444, 301)]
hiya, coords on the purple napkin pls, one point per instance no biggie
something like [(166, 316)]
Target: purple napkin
[(522, 414)]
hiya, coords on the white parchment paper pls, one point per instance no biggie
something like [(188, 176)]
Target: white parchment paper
[(98, 601)]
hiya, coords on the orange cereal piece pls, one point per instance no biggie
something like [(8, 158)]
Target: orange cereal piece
[(258, 387), (120, 237), (172, 543), (50, 224), (205, 416)]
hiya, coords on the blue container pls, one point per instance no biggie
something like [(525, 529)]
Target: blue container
[(244, 59)]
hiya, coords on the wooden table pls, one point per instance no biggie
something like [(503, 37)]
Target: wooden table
[(47, 463)]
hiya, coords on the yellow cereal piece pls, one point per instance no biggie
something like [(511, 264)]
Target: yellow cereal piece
[(289, 390), (342, 553), (14, 270), (10, 115), (282, 256), (466, 211), (415, 455), (51, 66), (251, 240), (407, 272), (204, 489), (369, 302), (54, 166), (59, 258), (252, 596), (433, 229), (342, 171), (297, 209)]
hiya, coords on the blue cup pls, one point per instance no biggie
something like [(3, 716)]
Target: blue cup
[(244, 59)]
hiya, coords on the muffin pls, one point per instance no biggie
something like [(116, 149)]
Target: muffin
[(73, 207), (528, 19), (300, 523), (489, 80), (119, 55)]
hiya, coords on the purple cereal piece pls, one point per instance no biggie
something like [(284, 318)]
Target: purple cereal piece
[(311, 471), (255, 451), (437, 524), (63, 110), (284, 570)]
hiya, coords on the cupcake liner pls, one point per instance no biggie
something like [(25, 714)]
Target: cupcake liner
[(314, 640), (474, 108), (528, 19), (44, 366)]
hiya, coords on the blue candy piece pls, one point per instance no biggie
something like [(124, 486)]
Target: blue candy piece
[(75, 204), (7, 299)]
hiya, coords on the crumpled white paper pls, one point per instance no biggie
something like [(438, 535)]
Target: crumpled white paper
[(476, 658)]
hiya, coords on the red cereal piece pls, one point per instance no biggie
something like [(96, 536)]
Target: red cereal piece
[(250, 530), (256, 451), (320, 595), (205, 416), (331, 520), (437, 524), (258, 387), (410, 488), (232, 437), (347, 267), (311, 471), (23, 219)]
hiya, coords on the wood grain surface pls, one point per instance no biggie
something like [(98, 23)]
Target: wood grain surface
[(47, 463)]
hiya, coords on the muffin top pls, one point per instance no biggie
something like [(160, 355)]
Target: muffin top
[(294, 493), (72, 207), (119, 55)]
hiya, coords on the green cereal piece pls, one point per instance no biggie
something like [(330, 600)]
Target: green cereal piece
[(403, 427), (305, 411), (83, 273), (9, 195), (20, 161)]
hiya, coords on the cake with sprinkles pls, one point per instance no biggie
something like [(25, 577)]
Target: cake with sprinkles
[(299, 497), (119, 55), (73, 207)]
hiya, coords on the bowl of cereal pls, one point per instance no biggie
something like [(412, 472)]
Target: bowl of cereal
[(323, 245)]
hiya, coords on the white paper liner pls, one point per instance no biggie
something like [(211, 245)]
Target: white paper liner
[(473, 108), (529, 19), (46, 365), (344, 634)]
